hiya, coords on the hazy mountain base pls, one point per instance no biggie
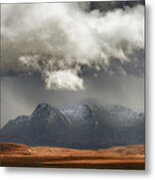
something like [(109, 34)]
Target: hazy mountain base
[(126, 157)]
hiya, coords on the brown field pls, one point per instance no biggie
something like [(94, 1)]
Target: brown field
[(124, 157)]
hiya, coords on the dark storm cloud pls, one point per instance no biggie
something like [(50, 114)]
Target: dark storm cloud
[(111, 5), (134, 67)]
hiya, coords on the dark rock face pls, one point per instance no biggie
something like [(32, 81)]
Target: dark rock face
[(86, 126)]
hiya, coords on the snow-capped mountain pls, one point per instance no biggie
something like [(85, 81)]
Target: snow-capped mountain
[(82, 126)]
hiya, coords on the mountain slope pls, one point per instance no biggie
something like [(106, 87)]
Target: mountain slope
[(85, 126)]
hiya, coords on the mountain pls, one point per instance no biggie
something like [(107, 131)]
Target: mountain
[(84, 126)]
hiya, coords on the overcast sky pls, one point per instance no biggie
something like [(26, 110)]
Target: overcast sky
[(64, 54)]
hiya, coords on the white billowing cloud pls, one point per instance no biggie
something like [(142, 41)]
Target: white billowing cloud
[(57, 39), (64, 79)]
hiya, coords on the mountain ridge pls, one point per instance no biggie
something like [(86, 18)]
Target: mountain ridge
[(83, 126)]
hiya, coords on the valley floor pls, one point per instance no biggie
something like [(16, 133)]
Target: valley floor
[(124, 157)]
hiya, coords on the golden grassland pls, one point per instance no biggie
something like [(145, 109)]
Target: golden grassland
[(123, 157)]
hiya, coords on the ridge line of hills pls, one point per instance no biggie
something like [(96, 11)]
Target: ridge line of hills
[(84, 126)]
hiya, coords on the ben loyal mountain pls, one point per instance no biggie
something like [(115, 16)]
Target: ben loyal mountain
[(84, 126)]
